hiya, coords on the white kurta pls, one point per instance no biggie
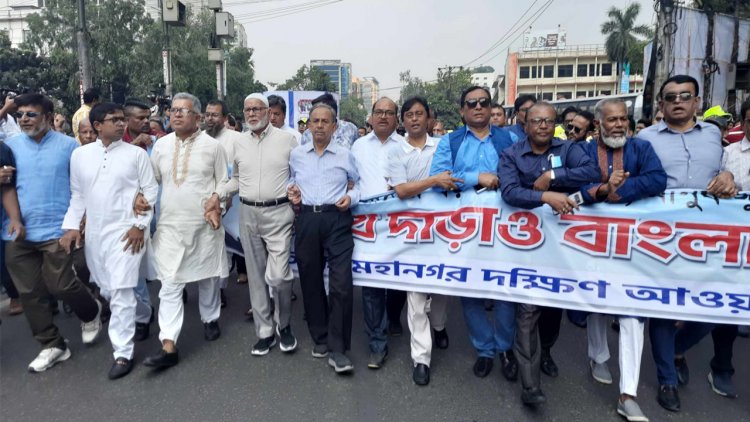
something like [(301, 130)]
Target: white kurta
[(104, 183), (185, 248)]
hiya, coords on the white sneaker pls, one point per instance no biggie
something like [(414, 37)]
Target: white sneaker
[(90, 330), (48, 358)]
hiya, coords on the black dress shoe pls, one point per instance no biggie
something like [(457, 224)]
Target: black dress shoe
[(395, 329), (483, 366), (141, 331), (441, 339), (548, 365), (162, 359), (211, 330), (532, 396), (510, 365), (668, 398), (120, 368), (421, 374), (683, 373)]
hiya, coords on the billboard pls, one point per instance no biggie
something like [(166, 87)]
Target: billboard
[(298, 103), (544, 40)]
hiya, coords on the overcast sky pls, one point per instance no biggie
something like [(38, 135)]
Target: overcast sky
[(382, 38)]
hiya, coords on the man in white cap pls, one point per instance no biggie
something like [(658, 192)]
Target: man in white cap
[(261, 174)]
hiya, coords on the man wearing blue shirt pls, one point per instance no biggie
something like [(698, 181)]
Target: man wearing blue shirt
[(472, 154), (630, 170), (38, 264), (520, 108), (541, 170)]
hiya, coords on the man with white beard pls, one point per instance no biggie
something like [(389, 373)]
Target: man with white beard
[(630, 170)]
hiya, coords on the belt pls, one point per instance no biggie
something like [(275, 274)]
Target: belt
[(319, 208), (269, 203)]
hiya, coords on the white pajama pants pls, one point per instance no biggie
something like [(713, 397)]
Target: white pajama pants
[(126, 311), (423, 313), (631, 348), (172, 310)]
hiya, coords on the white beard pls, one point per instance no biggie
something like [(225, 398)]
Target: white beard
[(614, 142), (260, 125)]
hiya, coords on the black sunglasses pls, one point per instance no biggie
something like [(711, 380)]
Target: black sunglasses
[(483, 102), (574, 129), (683, 96), (19, 114)]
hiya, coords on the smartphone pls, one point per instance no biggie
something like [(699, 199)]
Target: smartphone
[(577, 197)]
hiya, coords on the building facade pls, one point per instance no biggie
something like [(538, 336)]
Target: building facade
[(339, 73), (13, 18), (564, 73), (368, 88)]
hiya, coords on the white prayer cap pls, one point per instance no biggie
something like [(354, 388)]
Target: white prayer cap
[(257, 96)]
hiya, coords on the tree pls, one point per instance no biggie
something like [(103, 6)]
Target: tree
[(353, 109), (442, 95), (240, 78), (411, 86), (308, 79), (22, 70), (622, 34)]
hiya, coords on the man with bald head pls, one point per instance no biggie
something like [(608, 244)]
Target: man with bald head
[(382, 308), (541, 170)]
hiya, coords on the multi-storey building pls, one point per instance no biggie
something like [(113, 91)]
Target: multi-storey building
[(339, 73)]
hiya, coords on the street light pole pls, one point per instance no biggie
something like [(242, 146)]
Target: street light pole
[(84, 64)]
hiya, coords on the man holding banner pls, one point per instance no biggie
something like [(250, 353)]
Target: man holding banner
[(630, 171), (691, 153), (540, 170), (472, 154)]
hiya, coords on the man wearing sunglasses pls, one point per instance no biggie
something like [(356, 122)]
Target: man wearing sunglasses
[(540, 170), (580, 127), (472, 154), (691, 153), (38, 264), (105, 178)]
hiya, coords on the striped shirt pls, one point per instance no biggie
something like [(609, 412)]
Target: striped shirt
[(322, 179)]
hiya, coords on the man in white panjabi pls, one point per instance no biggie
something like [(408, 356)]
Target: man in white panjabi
[(105, 178), (188, 245)]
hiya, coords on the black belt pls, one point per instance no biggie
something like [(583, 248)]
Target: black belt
[(269, 203), (319, 208)]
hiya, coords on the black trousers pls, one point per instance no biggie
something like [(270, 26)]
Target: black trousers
[(549, 326), (329, 319), (394, 303)]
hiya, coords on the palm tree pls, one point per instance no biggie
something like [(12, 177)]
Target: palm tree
[(621, 32)]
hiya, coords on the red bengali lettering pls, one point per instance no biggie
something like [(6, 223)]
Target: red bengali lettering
[(695, 243), (599, 236), (363, 227), (522, 231)]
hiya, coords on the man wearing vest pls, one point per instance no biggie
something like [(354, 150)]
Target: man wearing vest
[(472, 154)]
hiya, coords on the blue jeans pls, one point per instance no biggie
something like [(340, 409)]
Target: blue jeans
[(723, 335), (490, 337), (141, 292), (376, 318), (662, 334)]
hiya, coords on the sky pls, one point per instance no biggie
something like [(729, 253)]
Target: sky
[(382, 38)]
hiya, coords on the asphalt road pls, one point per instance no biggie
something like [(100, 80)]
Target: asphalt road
[(222, 381)]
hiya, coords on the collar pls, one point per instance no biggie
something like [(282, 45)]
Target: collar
[(662, 126), (407, 147), (469, 131), (310, 147), (111, 146), (263, 134), (393, 137), (190, 138), (526, 148), (744, 144)]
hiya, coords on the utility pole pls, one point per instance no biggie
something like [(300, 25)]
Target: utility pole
[(664, 43), (84, 64)]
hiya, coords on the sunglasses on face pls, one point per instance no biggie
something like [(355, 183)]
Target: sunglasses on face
[(682, 96), (575, 129), (483, 102), (32, 114)]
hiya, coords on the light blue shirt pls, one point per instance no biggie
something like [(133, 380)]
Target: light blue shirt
[(43, 183), (474, 156), (322, 179), (692, 158)]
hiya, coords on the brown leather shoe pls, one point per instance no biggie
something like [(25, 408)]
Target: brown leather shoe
[(15, 307)]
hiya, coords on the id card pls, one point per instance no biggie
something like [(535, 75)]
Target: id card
[(555, 161)]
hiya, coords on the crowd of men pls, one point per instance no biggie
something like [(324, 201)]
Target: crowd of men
[(89, 219)]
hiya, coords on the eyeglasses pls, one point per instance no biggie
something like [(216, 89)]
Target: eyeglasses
[(683, 96), (412, 114), (538, 121), (383, 113), (574, 129), (183, 110), (254, 110), (483, 102), (115, 120), (214, 115), (32, 114)]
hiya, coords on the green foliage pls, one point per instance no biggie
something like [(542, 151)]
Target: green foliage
[(442, 95), (308, 79), (483, 69), (125, 51), (353, 109), (622, 33)]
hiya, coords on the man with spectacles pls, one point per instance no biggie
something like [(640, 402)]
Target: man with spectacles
[(580, 127), (260, 175), (38, 264), (630, 170), (521, 107), (472, 154), (541, 170), (188, 245), (138, 131), (382, 308), (105, 178), (691, 153)]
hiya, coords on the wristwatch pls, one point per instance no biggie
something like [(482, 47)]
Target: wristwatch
[(140, 227)]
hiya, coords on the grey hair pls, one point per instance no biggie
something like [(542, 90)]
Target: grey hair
[(185, 96), (599, 107), (325, 106)]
